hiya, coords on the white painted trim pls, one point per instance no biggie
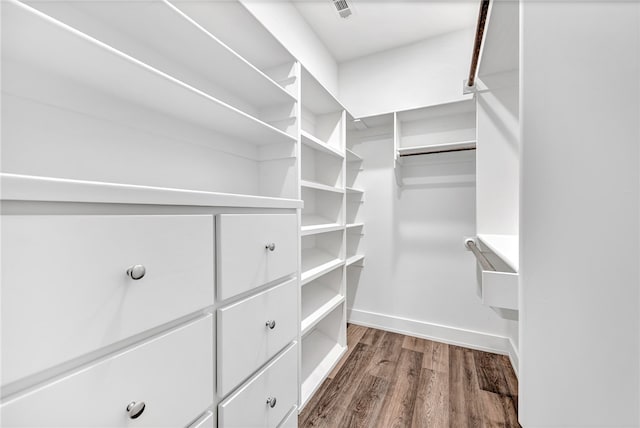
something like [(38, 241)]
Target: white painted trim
[(441, 333)]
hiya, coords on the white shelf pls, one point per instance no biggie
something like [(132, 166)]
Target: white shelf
[(352, 156), (319, 186), (50, 45), (354, 190), (437, 148), (15, 187), (316, 262), (504, 246), (167, 31), (320, 354), (355, 259), (316, 98), (354, 225), (317, 144), (320, 228), (317, 302)]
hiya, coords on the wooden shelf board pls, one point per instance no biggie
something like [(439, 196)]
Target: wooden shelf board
[(50, 45), (317, 302), (319, 186), (16, 187), (317, 144), (316, 262), (320, 354)]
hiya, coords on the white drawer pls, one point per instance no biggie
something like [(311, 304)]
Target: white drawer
[(500, 289), (244, 262), (291, 420), (172, 374), (245, 341), (65, 291), (248, 407)]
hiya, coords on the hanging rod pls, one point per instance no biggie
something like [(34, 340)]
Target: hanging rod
[(477, 44), (484, 262), (439, 148)]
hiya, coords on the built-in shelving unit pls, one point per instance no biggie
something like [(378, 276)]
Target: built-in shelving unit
[(323, 189), (93, 85)]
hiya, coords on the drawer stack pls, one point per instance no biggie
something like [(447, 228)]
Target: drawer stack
[(96, 306), (257, 322)]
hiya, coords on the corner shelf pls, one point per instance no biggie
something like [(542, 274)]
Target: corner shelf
[(50, 45)]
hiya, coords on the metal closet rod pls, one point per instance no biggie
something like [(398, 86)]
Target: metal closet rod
[(428, 152), (477, 45), (484, 262)]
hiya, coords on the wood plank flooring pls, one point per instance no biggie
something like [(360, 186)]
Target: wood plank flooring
[(388, 380)]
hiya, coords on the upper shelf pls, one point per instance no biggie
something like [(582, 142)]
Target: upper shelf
[(15, 187), (317, 144), (504, 246), (316, 98), (33, 38), (162, 36)]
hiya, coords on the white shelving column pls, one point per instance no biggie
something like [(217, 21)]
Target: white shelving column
[(323, 309)]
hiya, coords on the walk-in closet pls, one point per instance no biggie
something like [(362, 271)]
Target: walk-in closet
[(319, 213)]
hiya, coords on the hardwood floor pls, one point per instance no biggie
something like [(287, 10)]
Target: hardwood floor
[(389, 380)]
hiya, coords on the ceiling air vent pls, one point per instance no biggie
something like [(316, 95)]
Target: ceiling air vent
[(343, 8)]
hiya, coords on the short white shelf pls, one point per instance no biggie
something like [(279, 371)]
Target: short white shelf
[(358, 258), (320, 354), (313, 224), (504, 246), (354, 190), (317, 302), (316, 262), (354, 225), (317, 144), (47, 44), (352, 156), (320, 186), (16, 187)]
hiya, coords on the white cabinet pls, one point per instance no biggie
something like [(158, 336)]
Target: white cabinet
[(174, 386), (253, 330), (266, 399), (71, 272), (254, 249)]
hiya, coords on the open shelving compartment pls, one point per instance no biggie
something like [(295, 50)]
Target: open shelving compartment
[(322, 348), (323, 210), (133, 110), (320, 297), (321, 253)]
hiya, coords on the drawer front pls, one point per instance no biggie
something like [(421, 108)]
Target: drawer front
[(172, 374), (291, 420), (244, 262), (500, 289), (248, 407), (245, 341), (70, 272), (205, 421)]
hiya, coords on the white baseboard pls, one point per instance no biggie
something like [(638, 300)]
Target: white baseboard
[(440, 333)]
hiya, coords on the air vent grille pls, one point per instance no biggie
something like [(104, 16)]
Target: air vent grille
[(342, 7)]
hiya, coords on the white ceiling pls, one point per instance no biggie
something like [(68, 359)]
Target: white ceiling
[(378, 25)]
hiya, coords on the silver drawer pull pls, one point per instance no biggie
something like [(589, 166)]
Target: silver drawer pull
[(270, 247), (271, 401), (136, 272), (135, 409), (271, 324)]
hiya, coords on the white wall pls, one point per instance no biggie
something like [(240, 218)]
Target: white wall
[(579, 318), (284, 21), (424, 73), (418, 278)]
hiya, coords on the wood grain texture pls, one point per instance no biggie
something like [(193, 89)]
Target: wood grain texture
[(391, 380)]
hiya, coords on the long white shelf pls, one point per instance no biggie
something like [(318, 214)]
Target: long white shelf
[(320, 186), (316, 262), (315, 229), (354, 190), (352, 156), (317, 144), (320, 354), (354, 225), (504, 246), (168, 31), (436, 148), (317, 302), (50, 45), (16, 187)]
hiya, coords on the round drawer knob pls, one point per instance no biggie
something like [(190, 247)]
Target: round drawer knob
[(136, 272), (271, 401), (135, 409), (271, 324), (270, 247)]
